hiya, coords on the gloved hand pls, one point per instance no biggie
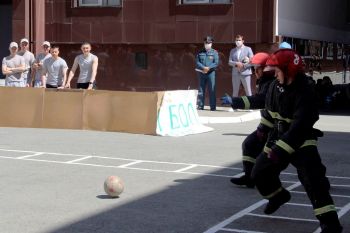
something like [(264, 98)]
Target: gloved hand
[(273, 155), (277, 154), (226, 100)]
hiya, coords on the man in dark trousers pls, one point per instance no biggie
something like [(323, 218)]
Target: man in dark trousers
[(254, 143), (291, 113), (207, 61)]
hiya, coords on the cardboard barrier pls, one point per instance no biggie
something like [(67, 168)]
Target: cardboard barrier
[(171, 113), (133, 112), (21, 107), (62, 109)]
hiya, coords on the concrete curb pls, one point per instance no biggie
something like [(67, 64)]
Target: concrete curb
[(224, 120)]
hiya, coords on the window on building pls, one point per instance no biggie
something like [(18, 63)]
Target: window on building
[(141, 60), (205, 1), (330, 51), (97, 3)]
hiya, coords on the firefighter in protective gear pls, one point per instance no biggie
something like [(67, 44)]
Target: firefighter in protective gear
[(290, 116), (254, 143)]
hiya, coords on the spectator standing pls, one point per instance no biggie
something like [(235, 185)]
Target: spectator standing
[(88, 64), (207, 61), (56, 70), (13, 67), (39, 61), (29, 60), (239, 59)]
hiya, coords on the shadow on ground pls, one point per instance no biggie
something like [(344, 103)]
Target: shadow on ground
[(194, 205)]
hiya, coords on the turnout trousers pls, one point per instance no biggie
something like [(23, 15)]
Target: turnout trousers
[(311, 173), (252, 146)]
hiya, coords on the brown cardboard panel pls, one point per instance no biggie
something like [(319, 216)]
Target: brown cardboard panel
[(21, 107), (160, 99), (134, 112), (63, 109)]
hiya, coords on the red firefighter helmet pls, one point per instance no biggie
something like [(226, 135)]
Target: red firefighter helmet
[(260, 59), (287, 60)]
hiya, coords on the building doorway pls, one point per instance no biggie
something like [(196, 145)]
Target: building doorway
[(6, 28)]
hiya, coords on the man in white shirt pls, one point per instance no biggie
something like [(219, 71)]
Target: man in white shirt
[(13, 67), (87, 63), (56, 70), (39, 61), (29, 60)]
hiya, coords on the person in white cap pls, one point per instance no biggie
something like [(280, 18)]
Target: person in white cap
[(87, 63), (29, 60), (13, 67), (39, 61)]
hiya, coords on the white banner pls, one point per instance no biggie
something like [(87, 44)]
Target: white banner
[(178, 114)]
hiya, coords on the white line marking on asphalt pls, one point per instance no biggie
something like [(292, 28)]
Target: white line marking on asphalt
[(333, 177), (133, 161), (298, 192), (280, 217), (186, 168), (344, 210), (126, 167), (183, 171), (306, 205), (28, 156), (288, 181), (240, 231), (243, 212), (339, 177), (80, 159), (333, 195), (338, 195), (129, 164), (298, 204), (235, 217), (126, 159), (111, 166), (341, 185), (239, 175)]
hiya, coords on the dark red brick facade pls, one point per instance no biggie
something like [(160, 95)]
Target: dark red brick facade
[(169, 34)]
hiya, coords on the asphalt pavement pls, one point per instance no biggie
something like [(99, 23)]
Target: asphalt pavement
[(52, 180)]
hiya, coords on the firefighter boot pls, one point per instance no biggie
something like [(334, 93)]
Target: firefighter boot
[(276, 201), (331, 229), (330, 223), (243, 180)]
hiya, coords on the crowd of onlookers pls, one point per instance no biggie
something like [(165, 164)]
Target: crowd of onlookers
[(48, 69), (332, 97)]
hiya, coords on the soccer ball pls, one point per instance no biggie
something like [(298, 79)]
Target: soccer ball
[(113, 186)]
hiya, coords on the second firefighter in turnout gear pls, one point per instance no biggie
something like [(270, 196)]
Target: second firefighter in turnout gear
[(254, 143), (291, 113)]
